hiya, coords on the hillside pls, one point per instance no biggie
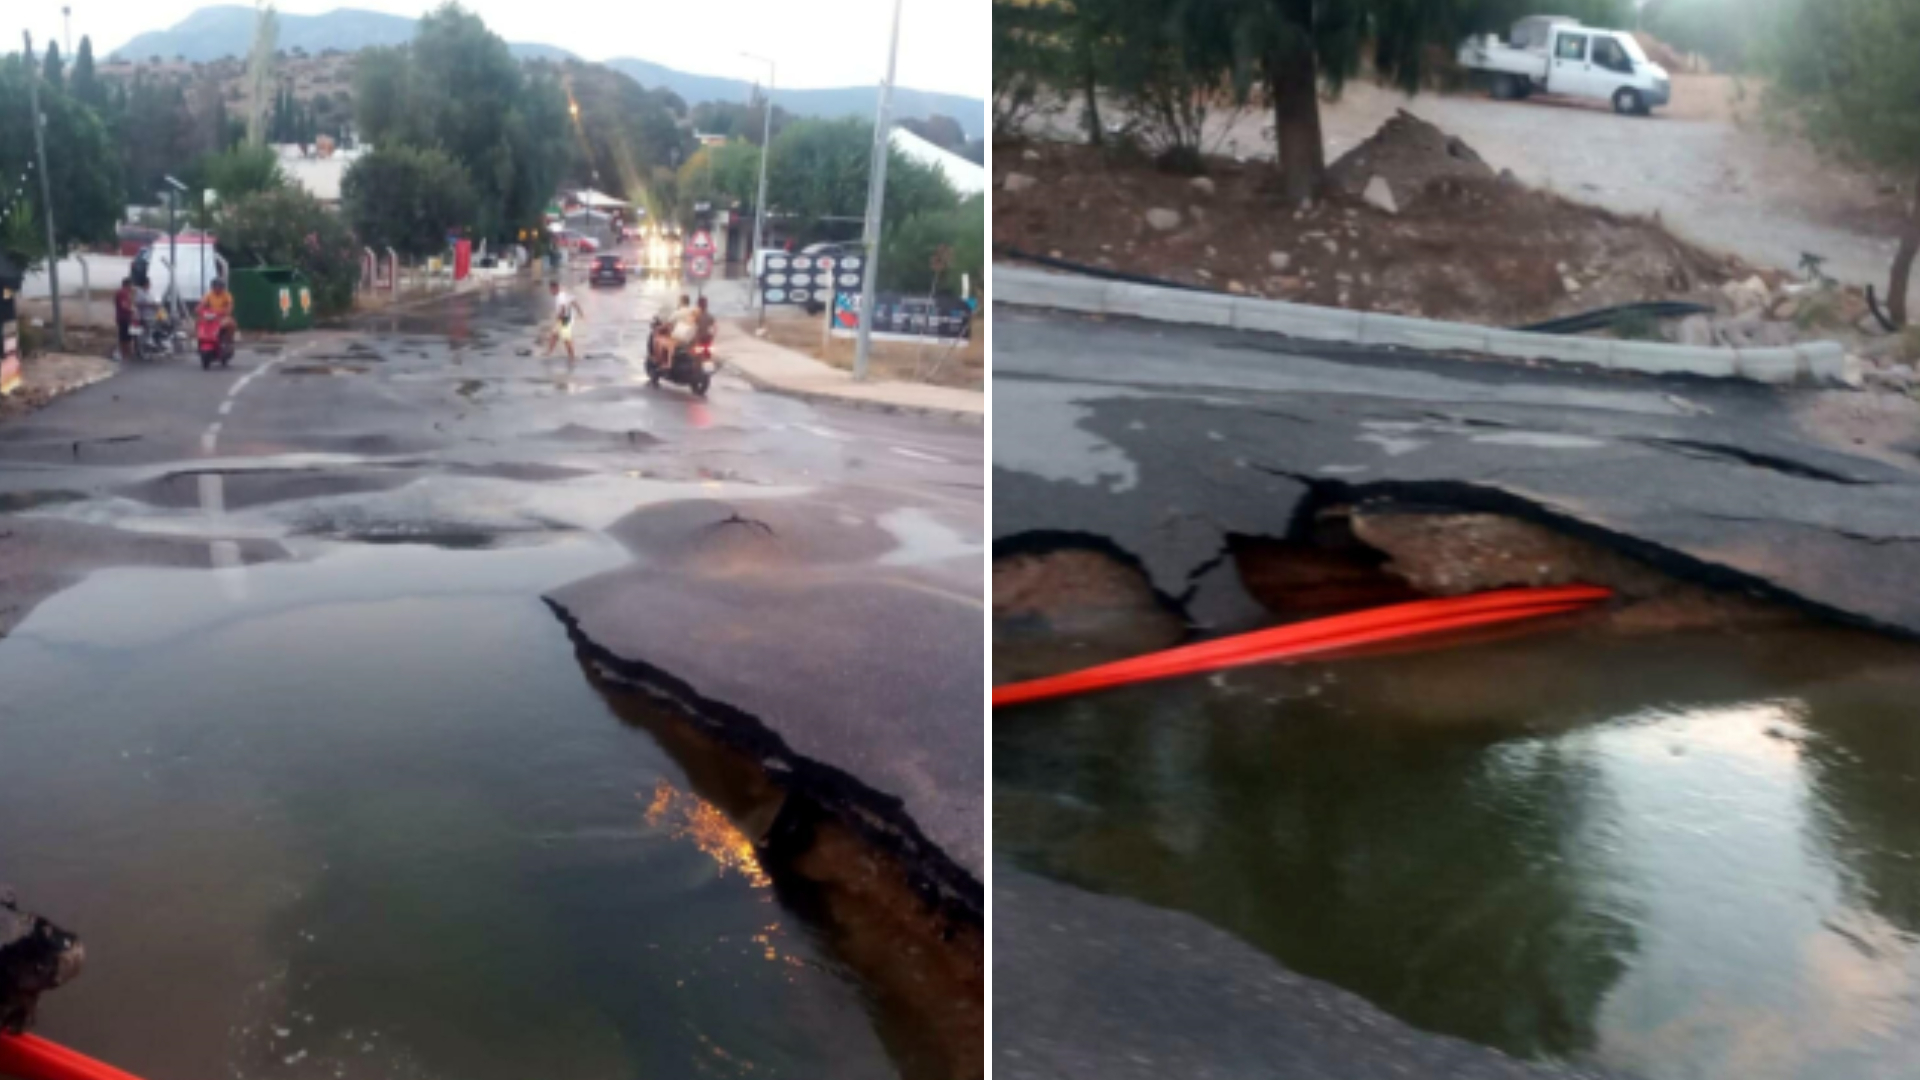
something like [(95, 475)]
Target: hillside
[(226, 32)]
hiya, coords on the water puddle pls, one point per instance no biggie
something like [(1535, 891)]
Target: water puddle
[(369, 816), (1679, 856)]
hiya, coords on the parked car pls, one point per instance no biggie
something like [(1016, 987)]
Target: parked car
[(607, 270)]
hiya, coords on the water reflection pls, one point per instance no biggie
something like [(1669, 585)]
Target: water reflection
[(1684, 857), (689, 817)]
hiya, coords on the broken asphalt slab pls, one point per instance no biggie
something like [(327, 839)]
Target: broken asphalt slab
[(1087, 972), (1165, 441), (839, 642)]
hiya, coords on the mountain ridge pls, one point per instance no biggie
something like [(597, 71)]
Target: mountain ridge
[(226, 30)]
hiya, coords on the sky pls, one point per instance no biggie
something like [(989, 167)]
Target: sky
[(816, 43)]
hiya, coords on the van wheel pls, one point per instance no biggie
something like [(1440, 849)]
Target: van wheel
[(1627, 103), (1505, 87)]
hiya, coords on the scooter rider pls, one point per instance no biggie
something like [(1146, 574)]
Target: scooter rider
[(219, 301)]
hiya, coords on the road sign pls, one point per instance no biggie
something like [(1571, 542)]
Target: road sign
[(700, 243), (700, 267)]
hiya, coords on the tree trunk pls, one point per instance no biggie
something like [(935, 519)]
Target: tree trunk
[(1293, 81), (1091, 87), (1903, 262)]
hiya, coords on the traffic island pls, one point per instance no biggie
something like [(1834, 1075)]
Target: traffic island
[(50, 375)]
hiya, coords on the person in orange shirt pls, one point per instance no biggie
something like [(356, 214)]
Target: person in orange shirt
[(220, 301)]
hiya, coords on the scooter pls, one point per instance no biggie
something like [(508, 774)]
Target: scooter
[(691, 367), (216, 340)]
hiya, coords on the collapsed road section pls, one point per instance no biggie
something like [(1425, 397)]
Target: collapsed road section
[(1359, 866)]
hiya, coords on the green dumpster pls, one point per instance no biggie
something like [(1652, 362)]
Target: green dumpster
[(272, 298)]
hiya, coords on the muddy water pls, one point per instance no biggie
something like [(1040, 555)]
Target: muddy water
[(1677, 857), (365, 815)]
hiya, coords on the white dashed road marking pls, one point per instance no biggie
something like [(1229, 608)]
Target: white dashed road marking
[(918, 455)]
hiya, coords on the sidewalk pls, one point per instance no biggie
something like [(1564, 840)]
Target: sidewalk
[(49, 375), (780, 370)]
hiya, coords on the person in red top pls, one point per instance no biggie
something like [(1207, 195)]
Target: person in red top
[(123, 316)]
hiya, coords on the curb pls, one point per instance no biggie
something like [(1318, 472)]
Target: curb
[(956, 416), (1817, 363)]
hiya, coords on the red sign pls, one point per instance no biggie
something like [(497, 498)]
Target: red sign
[(462, 259), (701, 243), (700, 267)]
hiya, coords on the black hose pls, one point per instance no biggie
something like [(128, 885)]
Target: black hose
[(1571, 324), (1611, 316)]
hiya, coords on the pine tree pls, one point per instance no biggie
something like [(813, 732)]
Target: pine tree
[(52, 71), (84, 83)]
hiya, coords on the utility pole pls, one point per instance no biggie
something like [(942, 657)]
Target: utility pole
[(66, 23), (46, 188), (759, 203), (876, 204)]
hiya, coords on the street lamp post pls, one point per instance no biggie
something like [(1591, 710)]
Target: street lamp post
[(760, 203), (66, 23), (46, 189), (876, 204)]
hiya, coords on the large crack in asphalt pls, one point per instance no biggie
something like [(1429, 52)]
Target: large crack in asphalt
[(880, 819), (1468, 497), (904, 916)]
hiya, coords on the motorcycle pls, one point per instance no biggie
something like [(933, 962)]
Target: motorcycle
[(691, 366), (153, 334), (216, 340)]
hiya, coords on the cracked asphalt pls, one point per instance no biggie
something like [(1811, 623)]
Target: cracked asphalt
[(817, 568), (1169, 439), (1162, 442)]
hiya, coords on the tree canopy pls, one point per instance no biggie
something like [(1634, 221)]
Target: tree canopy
[(739, 120), (722, 174), (1167, 60), (1846, 66), (407, 199), (82, 162), (456, 88), (819, 170)]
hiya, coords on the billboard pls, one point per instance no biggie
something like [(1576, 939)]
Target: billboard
[(808, 279), (941, 318)]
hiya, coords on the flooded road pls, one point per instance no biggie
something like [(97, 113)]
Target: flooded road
[(291, 734), (1691, 856), (369, 818)]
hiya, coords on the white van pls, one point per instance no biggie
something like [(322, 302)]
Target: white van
[(1559, 56)]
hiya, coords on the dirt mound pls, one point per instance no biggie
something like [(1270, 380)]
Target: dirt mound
[(1461, 243), (1667, 56), (1408, 153)]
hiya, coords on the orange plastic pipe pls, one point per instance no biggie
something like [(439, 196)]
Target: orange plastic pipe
[(1338, 633), (30, 1057)]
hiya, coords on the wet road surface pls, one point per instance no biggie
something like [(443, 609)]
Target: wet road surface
[(294, 737), (1678, 856)]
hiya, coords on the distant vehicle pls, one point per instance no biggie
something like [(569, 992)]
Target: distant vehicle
[(1559, 56), (573, 241), (607, 270), (831, 250)]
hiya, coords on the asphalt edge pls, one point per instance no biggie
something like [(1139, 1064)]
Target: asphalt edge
[(762, 383), (1816, 363)]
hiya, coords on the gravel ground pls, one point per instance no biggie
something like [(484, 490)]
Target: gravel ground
[(1715, 179)]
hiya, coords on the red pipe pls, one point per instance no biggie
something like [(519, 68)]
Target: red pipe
[(1320, 636), (30, 1057)]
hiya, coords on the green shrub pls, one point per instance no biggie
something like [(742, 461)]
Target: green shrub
[(288, 227)]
